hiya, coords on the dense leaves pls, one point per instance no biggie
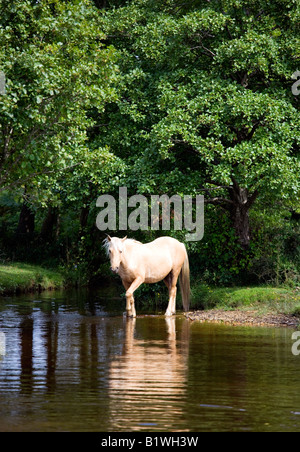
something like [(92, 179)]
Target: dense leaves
[(56, 68), (207, 100), (164, 97)]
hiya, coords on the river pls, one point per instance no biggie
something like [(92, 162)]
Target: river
[(70, 361)]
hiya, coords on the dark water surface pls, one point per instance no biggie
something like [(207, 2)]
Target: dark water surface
[(73, 363)]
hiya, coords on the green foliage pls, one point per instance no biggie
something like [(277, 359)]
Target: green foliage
[(219, 259), (205, 95), (56, 68), (164, 97), (276, 249)]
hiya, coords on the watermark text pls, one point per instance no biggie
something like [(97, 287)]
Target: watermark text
[(2, 343), (296, 344), (296, 85), (152, 212), (2, 83)]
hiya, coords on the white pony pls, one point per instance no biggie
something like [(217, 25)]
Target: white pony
[(137, 263)]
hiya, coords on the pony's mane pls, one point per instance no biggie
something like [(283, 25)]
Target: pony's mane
[(106, 244)]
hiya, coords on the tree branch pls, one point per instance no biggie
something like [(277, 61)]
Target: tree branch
[(252, 199), (223, 202), (217, 184), (37, 173)]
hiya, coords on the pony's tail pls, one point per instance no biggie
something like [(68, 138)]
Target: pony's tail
[(184, 279)]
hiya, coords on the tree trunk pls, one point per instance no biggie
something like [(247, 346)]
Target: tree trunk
[(238, 205), (242, 201), (48, 224), (26, 220), (241, 224)]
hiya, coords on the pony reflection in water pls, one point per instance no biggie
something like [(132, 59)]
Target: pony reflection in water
[(137, 263)]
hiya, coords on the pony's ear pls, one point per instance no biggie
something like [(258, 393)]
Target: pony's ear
[(125, 238), (108, 237)]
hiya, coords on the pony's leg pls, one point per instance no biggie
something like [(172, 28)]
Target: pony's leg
[(168, 280), (129, 295), (168, 283), (128, 299), (173, 278), (172, 302)]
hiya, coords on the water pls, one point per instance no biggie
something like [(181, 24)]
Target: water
[(72, 362)]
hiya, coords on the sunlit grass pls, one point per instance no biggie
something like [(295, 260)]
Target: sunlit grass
[(262, 298), (19, 277)]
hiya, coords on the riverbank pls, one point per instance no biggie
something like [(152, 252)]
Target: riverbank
[(265, 305), (22, 278), (259, 305), (248, 318)]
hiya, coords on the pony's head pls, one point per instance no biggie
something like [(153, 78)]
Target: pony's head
[(114, 248)]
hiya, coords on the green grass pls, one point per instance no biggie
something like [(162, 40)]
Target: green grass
[(262, 298), (19, 277)]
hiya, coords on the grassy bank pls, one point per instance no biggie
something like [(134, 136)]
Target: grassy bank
[(20, 278), (260, 298)]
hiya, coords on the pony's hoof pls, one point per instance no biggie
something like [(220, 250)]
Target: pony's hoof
[(130, 315), (168, 314)]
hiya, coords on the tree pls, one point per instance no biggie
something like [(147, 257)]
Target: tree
[(206, 100), (57, 68)]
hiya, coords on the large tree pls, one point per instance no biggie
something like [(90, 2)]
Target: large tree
[(206, 101), (57, 69)]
